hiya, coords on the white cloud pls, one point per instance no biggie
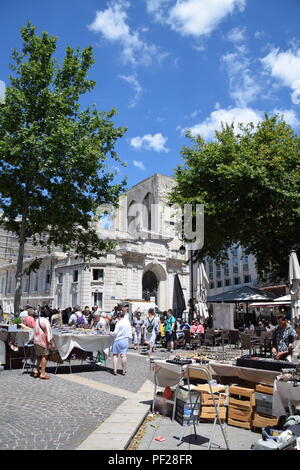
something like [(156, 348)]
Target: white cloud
[(296, 93), (154, 142), (132, 80), (112, 24), (244, 87), (206, 129), (214, 122), (289, 116), (236, 34), (156, 7), (2, 91), (259, 34), (285, 66), (139, 164), (200, 17)]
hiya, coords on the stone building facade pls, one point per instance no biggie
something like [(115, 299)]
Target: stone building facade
[(142, 265)]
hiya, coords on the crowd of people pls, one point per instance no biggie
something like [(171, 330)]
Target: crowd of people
[(141, 330)]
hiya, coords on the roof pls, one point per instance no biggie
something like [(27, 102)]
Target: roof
[(242, 294)]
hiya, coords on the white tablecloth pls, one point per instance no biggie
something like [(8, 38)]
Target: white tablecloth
[(169, 374), (89, 343), (283, 393), (244, 373), (165, 374)]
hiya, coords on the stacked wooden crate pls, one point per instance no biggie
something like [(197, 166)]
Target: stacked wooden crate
[(263, 412), (207, 410), (241, 406)]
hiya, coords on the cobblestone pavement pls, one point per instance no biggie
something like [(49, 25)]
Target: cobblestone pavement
[(57, 414), (137, 372)]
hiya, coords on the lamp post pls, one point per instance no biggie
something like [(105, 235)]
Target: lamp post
[(191, 287), (182, 251)]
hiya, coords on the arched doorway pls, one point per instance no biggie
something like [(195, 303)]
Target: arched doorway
[(154, 280), (149, 286)]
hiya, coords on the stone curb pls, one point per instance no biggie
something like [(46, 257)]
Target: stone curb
[(117, 431)]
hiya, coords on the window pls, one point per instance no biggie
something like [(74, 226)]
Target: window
[(75, 275), (133, 217), (97, 299), (35, 282), (47, 280), (211, 285), (26, 284), (148, 202), (59, 300), (211, 270), (226, 268), (9, 282), (247, 279), (237, 280), (98, 274), (74, 299), (218, 271), (60, 278), (235, 265), (227, 282), (219, 284)]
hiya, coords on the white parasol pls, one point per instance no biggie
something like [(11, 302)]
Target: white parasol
[(202, 287), (294, 278)]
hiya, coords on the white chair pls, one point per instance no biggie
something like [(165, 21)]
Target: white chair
[(202, 373)]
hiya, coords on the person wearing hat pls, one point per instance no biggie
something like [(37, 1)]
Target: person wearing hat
[(138, 326), (122, 335), (104, 322)]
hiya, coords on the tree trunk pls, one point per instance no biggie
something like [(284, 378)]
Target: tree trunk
[(19, 270)]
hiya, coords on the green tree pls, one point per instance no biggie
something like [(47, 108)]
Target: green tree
[(54, 157), (249, 184)]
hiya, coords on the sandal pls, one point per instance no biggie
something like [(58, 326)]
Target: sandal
[(36, 373), (44, 377), (124, 373), (115, 373)]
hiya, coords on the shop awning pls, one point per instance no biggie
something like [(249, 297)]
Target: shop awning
[(242, 294)]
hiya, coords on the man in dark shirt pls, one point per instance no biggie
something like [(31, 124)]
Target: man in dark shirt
[(282, 338)]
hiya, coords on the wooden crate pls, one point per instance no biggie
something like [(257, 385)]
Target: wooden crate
[(239, 424), (240, 418), (208, 413), (261, 421), (206, 399), (241, 397), (262, 388)]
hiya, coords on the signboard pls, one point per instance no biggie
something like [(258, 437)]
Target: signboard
[(223, 316)]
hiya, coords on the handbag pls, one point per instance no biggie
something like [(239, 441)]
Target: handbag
[(51, 345)]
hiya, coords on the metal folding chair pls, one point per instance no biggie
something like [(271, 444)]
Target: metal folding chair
[(29, 357), (202, 373)]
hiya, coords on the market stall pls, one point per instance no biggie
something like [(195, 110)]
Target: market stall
[(285, 394), (89, 341)]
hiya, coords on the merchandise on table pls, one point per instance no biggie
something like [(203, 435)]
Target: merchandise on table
[(264, 363)]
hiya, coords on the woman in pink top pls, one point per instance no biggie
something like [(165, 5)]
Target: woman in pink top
[(42, 342), (29, 321), (197, 328)]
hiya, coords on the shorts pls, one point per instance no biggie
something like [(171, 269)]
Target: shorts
[(170, 336), (150, 337), (120, 346), (40, 351)]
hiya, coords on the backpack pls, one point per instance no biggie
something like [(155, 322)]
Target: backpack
[(150, 325), (80, 320)]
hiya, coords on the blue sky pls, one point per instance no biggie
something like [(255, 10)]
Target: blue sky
[(169, 65)]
